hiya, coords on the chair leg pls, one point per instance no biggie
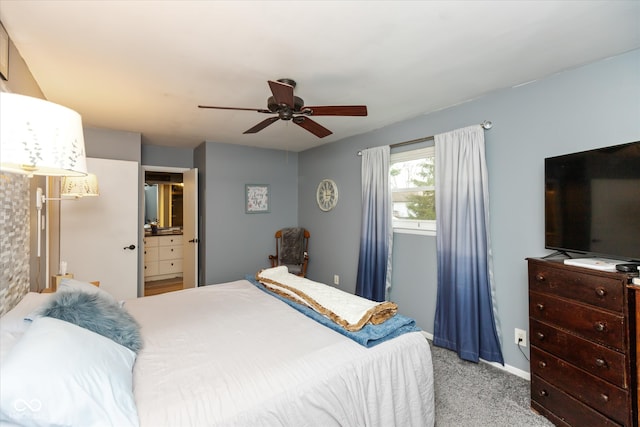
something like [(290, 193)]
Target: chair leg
[(274, 260)]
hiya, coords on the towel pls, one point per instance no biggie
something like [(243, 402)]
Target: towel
[(347, 310), (369, 336)]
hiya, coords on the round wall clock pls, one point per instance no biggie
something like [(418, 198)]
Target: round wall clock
[(327, 195)]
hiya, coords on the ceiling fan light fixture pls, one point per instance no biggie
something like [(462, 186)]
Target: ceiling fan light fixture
[(287, 81), (289, 107)]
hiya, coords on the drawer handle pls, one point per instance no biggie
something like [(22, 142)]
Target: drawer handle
[(601, 363), (604, 397), (601, 292), (543, 393), (542, 364), (540, 306), (540, 335), (540, 277), (599, 326)]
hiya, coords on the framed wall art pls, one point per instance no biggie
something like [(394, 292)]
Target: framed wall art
[(256, 198)]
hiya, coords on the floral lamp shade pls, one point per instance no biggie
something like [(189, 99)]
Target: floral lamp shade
[(79, 186), (38, 137)]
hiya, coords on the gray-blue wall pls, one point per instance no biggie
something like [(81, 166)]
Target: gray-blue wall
[(589, 107), (112, 144), (175, 157), (236, 243)]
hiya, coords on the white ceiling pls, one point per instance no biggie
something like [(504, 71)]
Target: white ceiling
[(144, 66)]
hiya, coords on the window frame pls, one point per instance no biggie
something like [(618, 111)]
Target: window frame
[(409, 226)]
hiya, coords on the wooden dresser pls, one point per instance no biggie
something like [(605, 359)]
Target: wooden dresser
[(583, 363)]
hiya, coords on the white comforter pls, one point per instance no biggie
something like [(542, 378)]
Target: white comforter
[(231, 355)]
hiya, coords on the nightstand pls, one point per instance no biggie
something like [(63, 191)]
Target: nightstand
[(55, 281)]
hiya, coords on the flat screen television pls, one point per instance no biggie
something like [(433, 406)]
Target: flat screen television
[(592, 202)]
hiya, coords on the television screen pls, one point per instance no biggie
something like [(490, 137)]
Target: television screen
[(592, 202)]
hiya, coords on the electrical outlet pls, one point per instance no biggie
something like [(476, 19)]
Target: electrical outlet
[(336, 279), (521, 337)]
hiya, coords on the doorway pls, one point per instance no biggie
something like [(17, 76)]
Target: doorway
[(170, 241)]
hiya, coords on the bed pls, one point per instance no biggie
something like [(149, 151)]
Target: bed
[(230, 354)]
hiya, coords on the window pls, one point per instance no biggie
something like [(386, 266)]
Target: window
[(412, 180)]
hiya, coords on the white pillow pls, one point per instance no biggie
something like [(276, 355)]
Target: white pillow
[(17, 319), (62, 374)]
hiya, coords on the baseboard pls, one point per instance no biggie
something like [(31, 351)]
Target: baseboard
[(510, 369), (507, 368)]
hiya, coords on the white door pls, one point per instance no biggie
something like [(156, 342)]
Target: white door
[(190, 228), (99, 235)]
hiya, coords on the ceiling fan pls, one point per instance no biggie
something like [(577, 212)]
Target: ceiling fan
[(290, 107)]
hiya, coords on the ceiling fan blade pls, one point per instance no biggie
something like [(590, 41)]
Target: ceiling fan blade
[(263, 124), (282, 92), (338, 110), (259, 110), (313, 127)]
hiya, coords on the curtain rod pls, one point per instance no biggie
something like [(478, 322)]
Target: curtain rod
[(485, 125)]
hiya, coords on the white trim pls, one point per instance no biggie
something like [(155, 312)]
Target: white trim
[(507, 368), (163, 169), (510, 369), (414, 154), (414, 231)]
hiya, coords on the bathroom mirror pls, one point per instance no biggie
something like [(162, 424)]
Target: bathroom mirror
[(163, 199)]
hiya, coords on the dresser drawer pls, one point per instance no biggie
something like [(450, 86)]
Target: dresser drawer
[(570, 410), (169, 240), (601, 326), (150, 253), (591, 288), (170, 266), (150, 241), (595, 392), (599, 360), (169, 252), (150, 268)]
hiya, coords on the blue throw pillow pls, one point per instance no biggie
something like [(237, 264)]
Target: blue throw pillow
[(96, 313)]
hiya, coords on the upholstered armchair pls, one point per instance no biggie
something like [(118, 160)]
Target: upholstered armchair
[(292, 245)]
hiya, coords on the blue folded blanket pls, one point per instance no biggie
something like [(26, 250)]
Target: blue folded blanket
[(369, 336)]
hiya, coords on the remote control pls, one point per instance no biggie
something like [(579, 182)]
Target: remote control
[(627, 268)]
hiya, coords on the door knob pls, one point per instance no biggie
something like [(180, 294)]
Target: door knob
[(132, 247), (193, 241)]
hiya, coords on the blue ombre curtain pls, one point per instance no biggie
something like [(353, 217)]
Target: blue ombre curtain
[(465, 318), (374, 264)]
